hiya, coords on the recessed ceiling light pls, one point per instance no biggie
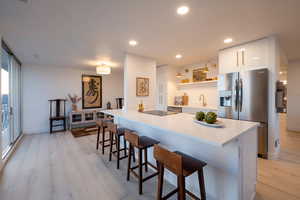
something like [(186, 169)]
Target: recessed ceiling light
[(178, 56), (228, 40), (133, 42), (183, 10), (280, 72)]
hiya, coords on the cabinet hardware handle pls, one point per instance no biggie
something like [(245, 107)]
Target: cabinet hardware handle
[(243, 57), (237, 58)]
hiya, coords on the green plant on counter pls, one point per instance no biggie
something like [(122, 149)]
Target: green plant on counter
[(200, 116), (210, 117)]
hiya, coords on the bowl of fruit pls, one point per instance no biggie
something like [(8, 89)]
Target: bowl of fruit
[(208, 119)]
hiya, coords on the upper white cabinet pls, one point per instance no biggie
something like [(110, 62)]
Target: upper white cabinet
[(252, 55), (229, 60)]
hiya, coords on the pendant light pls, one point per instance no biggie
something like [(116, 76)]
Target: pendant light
[(103, 69)]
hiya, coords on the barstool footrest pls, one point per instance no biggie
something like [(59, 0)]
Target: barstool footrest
[(192, 195), (170, 194), (150, 176)]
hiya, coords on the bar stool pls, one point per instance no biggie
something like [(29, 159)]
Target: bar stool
[(181, 165), (116, 132), (101, 124), (142, 143)]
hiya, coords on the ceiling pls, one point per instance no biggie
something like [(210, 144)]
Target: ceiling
[(79, 33)]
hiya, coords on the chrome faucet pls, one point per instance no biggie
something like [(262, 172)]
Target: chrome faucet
[(202, 97)]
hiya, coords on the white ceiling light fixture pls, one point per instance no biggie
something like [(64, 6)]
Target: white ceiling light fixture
[(178, 56), (103, 69), (228, 40), (183, 10), (133, 43)]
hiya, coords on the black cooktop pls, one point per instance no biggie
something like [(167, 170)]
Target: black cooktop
[(159, 112)]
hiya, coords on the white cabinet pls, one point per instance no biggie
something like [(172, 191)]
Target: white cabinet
[(229, 60), (252, 55), (255, 54)]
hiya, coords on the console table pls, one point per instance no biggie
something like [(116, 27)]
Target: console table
[(85, 117)]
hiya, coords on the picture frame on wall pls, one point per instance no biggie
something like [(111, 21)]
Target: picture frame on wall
[(142, 87), (91, 91)]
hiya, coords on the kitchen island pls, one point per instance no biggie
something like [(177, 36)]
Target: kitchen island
[(230, 152)]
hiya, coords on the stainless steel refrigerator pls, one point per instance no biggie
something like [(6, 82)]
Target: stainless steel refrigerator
[(244, 96)]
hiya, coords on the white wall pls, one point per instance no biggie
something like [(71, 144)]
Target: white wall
[(293, 96), (41, 83), (273, 117), (137, 66)]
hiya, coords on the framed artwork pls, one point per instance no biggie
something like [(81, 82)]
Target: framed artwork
[(199, 75), (91, 91), (142, 87)]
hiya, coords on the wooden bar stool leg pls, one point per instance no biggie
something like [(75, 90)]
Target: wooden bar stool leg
[(133, 152), (202, 185), (160, 168), (125, 146), (181, 187), (140, 172), (118, 151), (103, 139), (98, 137), (110, 145), (129, 162), (146, 159)]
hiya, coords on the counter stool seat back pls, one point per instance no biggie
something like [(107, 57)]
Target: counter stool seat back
[(170, 160), (181, 165)]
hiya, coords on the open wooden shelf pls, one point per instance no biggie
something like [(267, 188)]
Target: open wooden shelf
[(200, 83)]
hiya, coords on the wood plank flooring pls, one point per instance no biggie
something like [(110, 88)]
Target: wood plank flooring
[(280, 179), (60, 167)]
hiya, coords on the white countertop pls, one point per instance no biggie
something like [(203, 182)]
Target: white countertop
[(194, 107), (183, 124)]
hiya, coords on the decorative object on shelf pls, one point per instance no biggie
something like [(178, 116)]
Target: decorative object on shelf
[(185, 80), (91, 91), (74, 100), (199, 74), (179, 75), (185, 99), (141, 107), (186, 70), (103, 69), (142, 87), (57, 115), (178, 100), (108, 106)]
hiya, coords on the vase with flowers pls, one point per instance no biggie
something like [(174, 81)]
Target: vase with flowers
[(74, 100)]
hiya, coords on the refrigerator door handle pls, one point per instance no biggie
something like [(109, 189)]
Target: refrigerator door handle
[(241, 95), (236, 87)]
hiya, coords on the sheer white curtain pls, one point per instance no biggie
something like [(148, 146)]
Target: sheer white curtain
[(15, 88)]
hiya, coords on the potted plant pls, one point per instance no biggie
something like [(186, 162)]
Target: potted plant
[(74, 100)]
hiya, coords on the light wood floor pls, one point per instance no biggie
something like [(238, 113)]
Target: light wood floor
[(280, 179), (59, 167)]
